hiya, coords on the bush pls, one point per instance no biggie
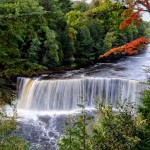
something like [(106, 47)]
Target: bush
[(144, 111), (9, 140), (145, 108), (76, 134), (122, 129)]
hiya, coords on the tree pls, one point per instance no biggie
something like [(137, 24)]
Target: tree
[(26, 40), (132, 14), (109, 40), (130, 48), (144, 5), (8, 132), (50, 50), (81, 6), (97, 32), (65, 5), (84, 47), (16, 36)]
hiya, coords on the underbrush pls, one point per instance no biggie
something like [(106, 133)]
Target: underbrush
[(9, 140), (123, 129)]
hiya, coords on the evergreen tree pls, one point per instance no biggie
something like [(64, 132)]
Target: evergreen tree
[(84, 47)]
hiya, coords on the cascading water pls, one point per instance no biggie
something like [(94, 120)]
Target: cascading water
[(64, 95)]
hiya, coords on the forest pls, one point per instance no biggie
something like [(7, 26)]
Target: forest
[(38, 36)]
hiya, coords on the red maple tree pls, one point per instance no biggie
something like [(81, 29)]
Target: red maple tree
[(132, 14), (128, 49)]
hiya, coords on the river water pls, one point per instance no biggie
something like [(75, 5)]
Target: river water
[(44, 103), (130, 67)]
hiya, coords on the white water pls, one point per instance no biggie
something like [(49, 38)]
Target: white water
[(63, 95)]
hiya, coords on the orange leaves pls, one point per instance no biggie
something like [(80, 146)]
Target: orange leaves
[(130, 14), (128, 11), (128, 49), (134, 18)]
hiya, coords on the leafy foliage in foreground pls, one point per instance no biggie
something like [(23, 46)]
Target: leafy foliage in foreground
[(145, 108), (117, 130), (9, 140)]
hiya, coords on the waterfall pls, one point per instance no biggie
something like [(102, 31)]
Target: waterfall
[(65, 94)]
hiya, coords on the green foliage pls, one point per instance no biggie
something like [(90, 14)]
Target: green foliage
[(8, 139), (81, 6), (47, 34), (11, 7), (74, 18), (16, 36), (65, 5), (101, 6), (118, 130), (97, 32), (76, 133), (147, 29), (18, 67), (121, 129), (6, 92), (84, 47), (102, 20), (95, 3), (68, 50), (145, 108), (109, 40), (50, 50)]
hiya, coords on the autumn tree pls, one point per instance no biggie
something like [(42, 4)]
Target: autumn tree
[(133, 13)]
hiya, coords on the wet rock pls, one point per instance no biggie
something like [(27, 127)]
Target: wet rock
[(45, 119), (60, 123), (52, 134), (53, 148)]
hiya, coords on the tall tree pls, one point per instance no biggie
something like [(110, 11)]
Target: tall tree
[(84, 47)]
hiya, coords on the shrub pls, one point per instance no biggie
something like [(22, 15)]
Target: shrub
[(122, 129), (9, 140), (76, 134), (145, 108)]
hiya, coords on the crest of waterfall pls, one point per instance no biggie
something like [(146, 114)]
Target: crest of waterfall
[(54, 95)]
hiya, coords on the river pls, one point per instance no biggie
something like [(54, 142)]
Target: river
[(45, 102), (130, 67)]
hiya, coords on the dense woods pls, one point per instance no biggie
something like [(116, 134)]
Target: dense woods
[(38, 35)]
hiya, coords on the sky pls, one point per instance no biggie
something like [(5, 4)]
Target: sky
[(145, 16)]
